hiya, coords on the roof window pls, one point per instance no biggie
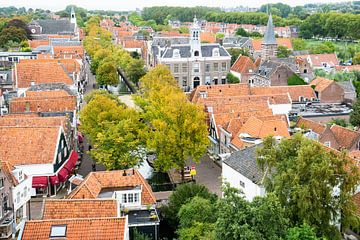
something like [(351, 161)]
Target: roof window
[(176, 53), (216, 52), (58, 231)]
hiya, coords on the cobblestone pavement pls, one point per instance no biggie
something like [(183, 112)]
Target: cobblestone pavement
[(208, 174)]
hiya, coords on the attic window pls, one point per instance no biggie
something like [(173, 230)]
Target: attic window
[(58, 231), (176, 53), (216, 52)]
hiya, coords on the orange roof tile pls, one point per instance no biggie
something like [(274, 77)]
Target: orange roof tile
[(356, 199), (317, 60), (295, 92), (37, 43), (23, 120), (310, 124), (286, 42), (80, 208), (96, 181), (208, 37), (74, 51), (259, 128), (243, 65), (344, 136), (46, 101), (70, 65), (40, 72), (28, 145), (133, 44), (348, 68), (92, 228), (321, 83)]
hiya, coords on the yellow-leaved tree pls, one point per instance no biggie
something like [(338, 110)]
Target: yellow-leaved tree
[(177, 129)]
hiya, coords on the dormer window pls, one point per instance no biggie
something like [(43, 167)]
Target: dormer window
[(176, 53), (58, 231), (216, 52), (203, 94)]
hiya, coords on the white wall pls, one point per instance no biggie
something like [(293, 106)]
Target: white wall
[(25, 190), (233, 177), (280, 108), (37, 169)]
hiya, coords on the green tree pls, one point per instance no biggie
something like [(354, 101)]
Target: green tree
[(306, 179), (264, 218), (295, 80), (197, 209), (242, 32), (183, 194), (100, 55), (283, 52), (356, 59), (140, 236), (298, 44), (114, 131), (106, 73), (355, 114), (304, 232), (220, 36), (183, 29), (13, 34), (135, 70), (231, 78), (198, 231), (235, 52), (178, 128)]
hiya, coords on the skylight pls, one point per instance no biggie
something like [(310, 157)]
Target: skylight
[(58, 231)]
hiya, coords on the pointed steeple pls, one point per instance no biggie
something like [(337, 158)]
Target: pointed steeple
[(269, 36), (72, 16), (195, 42)]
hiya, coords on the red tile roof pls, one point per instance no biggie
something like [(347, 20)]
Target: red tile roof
[(317, 60), (310, 124), (243, 65), (207, 37), (286, 42), (28, 145), (344, 136), (44, 101), (96, 181), (133, 44), (92, 228), (321, 83), (295, 92), (37, 43), (7, 169), (24, 120), (73, 51), (80, 208), (40, 72), (70, 65)]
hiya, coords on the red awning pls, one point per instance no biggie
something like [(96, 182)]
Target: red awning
[(71, 162), (54, 180), (39, 181), (63, 174)]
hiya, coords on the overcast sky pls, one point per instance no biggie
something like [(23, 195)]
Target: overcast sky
[(132, 4)]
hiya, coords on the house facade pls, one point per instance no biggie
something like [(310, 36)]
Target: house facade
[(241, 171), (197, 64)]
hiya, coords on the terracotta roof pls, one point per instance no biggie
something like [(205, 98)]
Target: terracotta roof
[(261, 128), (220, 90), (37, 43), (348, 68), (70, 65), (74, 51), (7, 169), (32, 121), (286, 42), (96, 181), (321, 83), (243, 65), (344, 136), (317, 60), (355, 154), (93, 228), (310, 124), (207, 37), (132, 43), (40, 72), (79, 208), (44, 101), (295, 92), (28, 145)]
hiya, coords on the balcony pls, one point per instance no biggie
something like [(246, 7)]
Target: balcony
[(6, 228)]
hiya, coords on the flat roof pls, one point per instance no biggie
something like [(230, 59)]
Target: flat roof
[(320, 109)]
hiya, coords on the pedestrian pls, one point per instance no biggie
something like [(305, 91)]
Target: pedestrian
[(90, 147), (94, 85), (93, 167)]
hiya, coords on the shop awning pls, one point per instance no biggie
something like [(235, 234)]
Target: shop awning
[(63, 174), (39, 181), (54, 180), (71, 162)]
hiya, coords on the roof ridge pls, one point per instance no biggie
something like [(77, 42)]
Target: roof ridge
[(75, 219)]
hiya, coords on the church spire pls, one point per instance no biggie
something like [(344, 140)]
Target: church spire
[(269, 36), (72, 16)]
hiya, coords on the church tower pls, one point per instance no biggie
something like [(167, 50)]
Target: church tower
[(73, 17), (269, 45), (195, 43)]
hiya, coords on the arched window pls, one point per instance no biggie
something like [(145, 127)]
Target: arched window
[(176, 53), (216, 52), (196, 53)]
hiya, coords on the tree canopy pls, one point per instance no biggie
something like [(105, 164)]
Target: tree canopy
[(310, 179)]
